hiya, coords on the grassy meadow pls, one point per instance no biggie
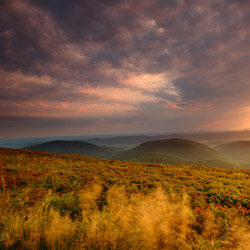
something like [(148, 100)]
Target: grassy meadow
[(57, 201)]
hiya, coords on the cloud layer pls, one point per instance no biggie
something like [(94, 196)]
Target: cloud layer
[(103, 66)]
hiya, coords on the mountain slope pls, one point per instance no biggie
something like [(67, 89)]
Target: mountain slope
[(75, 147), (237, 150), (175, 151)]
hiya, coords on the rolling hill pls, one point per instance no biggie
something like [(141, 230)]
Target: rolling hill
[(75, 147), (237, 150), (175, 151), (170, 151)]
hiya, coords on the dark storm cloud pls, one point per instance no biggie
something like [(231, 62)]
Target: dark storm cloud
[(57, 50)]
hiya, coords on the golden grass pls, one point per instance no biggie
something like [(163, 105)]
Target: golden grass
[(3, 185), (136, 221), (54, 201)]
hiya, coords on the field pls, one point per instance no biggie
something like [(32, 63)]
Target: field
[(57, 201)]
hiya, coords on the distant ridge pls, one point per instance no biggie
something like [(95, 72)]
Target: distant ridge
[(175, 151), (200, 137), (74, 147)]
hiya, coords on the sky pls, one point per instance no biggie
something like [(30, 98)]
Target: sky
[(113, 67)]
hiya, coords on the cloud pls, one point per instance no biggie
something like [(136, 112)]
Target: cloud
[(118, 58)]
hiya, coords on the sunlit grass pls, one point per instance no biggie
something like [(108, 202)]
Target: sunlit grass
[(53, 201)]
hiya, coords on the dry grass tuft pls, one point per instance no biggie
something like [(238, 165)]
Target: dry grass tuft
[(125, 221), (141, 222)]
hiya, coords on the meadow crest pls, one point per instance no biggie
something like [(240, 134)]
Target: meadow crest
[(56, 201)]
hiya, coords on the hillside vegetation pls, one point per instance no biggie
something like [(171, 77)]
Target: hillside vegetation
[(175, 151), (75, 147), (57, 201), (170, 151), (237, 150)]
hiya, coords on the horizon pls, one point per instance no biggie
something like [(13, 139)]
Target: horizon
[(90, 136), (119, 67)]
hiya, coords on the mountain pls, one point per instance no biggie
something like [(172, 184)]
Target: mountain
[(211, 138), (75, 147), (171, 151), (237, 150), (175, 151)]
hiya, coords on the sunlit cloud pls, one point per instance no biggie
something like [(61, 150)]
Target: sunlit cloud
[(124, 66)]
